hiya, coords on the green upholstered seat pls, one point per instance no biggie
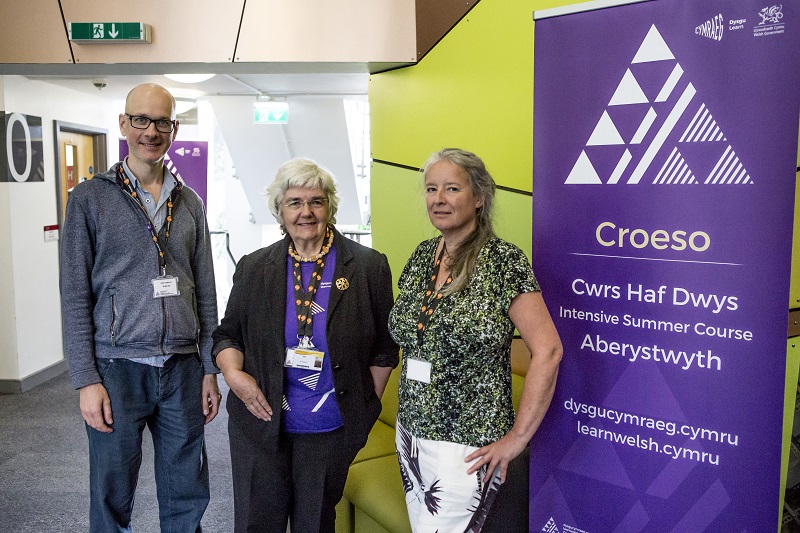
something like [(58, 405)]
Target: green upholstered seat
[(375, 489), (379, 444)]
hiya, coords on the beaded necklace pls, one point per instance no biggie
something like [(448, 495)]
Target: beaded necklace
[(431, 298), (304, 297), (326, 247)]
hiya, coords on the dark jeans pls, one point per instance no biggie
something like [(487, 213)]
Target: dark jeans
[(168, 401)]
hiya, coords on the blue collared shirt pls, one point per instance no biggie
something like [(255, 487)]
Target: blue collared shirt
[(157, 211)]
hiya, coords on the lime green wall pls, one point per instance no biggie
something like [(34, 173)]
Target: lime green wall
[(789, 400), (794, 293), (398, 213), (474, 90), (399, 221)]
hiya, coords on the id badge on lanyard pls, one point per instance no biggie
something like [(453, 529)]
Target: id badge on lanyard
[(165, 286), (304, 356), (417, 369)]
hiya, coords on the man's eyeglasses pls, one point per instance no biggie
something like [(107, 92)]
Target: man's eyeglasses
[(315, 204), (142, 123)]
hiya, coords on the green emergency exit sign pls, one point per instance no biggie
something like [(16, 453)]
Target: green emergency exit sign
[(271, 113), (109, 32)]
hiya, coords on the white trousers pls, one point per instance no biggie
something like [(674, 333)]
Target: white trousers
[(440, 496)]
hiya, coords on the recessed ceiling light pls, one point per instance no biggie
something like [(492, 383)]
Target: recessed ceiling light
[(189, 78)]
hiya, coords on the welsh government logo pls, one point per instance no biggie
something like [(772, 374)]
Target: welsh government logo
[(647, 135), (771, 15), (550, 526), (711, 28)]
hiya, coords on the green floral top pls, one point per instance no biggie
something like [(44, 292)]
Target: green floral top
[(467, 342)]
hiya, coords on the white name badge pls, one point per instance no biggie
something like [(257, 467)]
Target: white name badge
[(419, 370), (164, 286), (304, 358)]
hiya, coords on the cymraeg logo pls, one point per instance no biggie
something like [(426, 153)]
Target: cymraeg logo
[(661, 127), (711, 28), (550, 526), (771, 15)]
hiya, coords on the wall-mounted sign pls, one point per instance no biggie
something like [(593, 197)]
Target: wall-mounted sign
[(51, 233), (109, 32), (186, 159), (21, 148), (271, 113)]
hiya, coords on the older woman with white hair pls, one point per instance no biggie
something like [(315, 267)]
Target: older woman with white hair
[(305, 348)]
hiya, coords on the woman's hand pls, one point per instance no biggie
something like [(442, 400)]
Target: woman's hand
[(530, 316), (497, 455), (245, 387)]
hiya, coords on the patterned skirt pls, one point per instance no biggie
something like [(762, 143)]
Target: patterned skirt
[(440, 496)]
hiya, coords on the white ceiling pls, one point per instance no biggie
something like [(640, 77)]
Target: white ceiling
[(272, 84)]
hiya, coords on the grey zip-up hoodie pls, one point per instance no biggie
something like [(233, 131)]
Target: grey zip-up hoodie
[(108, 260)]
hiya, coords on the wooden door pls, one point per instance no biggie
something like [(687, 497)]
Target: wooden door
[(77, 162)]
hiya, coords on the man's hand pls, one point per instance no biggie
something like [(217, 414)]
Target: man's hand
[(211, 397), (96, 407)]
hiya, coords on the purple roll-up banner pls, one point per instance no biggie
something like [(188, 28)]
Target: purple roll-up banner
[(665, 145), (186, 159)]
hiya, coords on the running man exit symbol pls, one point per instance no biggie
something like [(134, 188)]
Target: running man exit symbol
[(109, 32)]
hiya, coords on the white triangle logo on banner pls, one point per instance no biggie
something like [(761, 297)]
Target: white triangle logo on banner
[(628, 91), (656, 131), (653, 48), (605, 133), (583, 172)]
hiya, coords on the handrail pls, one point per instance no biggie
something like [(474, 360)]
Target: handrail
[(227, 242)]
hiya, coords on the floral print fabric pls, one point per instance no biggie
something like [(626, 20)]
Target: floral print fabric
[(467, 342)]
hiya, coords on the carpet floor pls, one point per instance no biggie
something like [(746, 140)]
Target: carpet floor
[(44, 466)]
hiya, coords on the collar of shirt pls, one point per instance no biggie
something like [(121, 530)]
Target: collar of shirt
[(156, 210)]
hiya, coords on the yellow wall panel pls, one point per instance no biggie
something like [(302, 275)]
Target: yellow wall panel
[(512, 219), (474, 90), (794, 291), (789, 405), (400, 222)]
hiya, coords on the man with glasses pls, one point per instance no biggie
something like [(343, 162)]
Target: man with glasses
[(139, 306)]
